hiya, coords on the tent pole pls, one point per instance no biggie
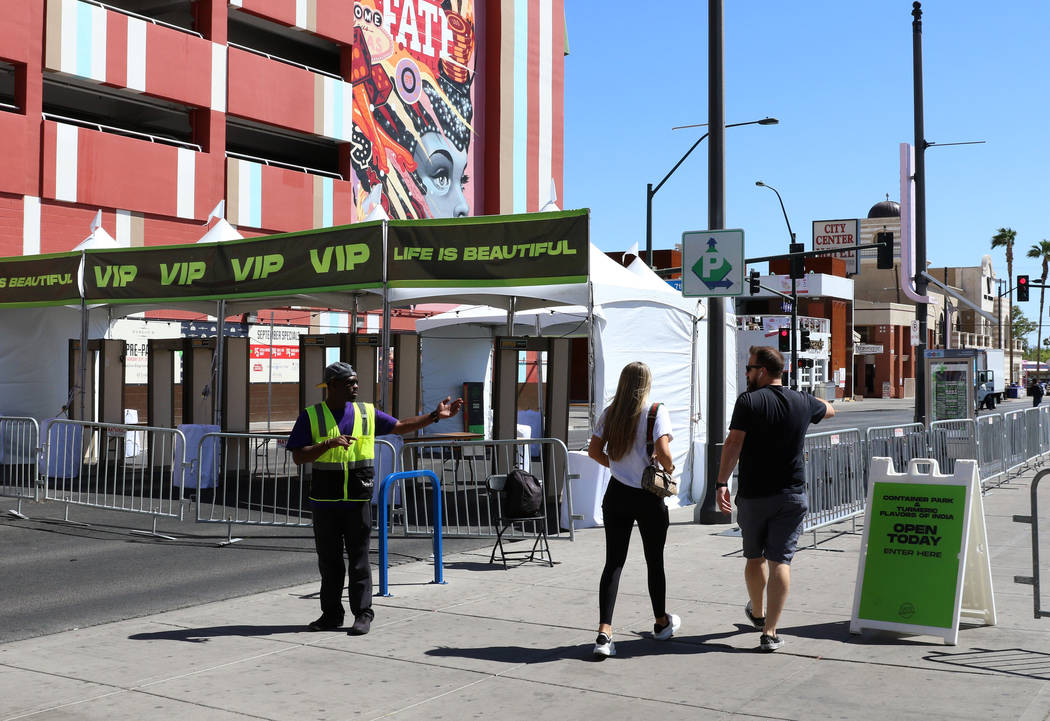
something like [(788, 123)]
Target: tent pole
[(591, 415), (217, 385), (510, 316), (83, 356), (384, 355)]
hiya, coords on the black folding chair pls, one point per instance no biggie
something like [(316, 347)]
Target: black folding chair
[(497, 487)]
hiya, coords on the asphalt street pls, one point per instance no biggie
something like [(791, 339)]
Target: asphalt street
[(59, 576)]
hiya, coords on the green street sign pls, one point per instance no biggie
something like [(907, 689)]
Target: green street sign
[(712, 263)]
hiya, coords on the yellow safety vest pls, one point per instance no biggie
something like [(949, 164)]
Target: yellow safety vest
[(333, 469)]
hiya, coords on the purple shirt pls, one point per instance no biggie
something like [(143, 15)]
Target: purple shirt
[(300, 437)]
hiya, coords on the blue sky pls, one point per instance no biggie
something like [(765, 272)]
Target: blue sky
[(838, 75)]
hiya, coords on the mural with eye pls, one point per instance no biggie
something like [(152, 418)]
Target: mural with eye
[(412, 70)]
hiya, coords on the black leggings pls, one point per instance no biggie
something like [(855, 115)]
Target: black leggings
[(621, 507)]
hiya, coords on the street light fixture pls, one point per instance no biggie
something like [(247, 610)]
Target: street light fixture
[(650, 191), (793, 248)]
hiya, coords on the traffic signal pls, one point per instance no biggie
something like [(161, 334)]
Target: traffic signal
[(753, 280), (804, 343), (798, 265), (784, 340), (885, 250), (1022, 288)]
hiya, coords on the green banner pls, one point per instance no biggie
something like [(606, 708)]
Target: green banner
[(333, 259), (39, 280), (534, 249), (912, 568)]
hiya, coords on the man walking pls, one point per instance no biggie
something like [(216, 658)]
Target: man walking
[(766, 434), (338, 438)]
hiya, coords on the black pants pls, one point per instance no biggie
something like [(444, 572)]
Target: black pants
[(338, 526), (621, 507)]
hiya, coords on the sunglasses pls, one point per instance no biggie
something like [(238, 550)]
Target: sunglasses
[(749, 368)]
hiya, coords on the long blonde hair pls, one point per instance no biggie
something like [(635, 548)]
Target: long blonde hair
[(621, 421)]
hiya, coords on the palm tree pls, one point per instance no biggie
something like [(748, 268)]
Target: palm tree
[(1041, 250), (1004, 238)]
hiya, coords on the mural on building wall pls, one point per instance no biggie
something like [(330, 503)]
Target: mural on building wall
[(412, 70)]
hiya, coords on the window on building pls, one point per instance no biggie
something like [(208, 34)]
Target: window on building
[(287, 147), (8, 101), (68, 99), (280, 42), (170, 12)]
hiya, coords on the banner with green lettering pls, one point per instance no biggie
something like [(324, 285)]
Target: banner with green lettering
[(332, 259), (487, 251), (37, 280)]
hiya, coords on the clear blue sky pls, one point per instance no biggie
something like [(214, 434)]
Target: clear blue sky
[(838, 75)]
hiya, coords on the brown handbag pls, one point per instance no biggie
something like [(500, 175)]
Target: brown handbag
[(654, 478)]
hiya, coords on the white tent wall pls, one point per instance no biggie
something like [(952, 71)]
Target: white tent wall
[(449, 357), (662, 338), (34, 359)]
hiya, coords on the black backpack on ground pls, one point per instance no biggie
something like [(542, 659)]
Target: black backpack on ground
[(523, 495)]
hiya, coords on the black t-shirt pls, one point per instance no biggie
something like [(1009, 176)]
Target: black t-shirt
[(775, 420)]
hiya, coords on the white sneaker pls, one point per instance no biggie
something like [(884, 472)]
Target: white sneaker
[(662, 633), (604, 647)]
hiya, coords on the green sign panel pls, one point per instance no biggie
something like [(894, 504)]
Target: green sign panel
[(915, 538), (344, 258), (39, 280), (486, 251)]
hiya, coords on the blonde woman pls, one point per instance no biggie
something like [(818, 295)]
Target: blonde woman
[(619, 442)]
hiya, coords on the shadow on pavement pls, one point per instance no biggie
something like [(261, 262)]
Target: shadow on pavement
[(203, 635)]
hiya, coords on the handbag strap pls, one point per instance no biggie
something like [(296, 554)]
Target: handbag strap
[(650, 423)]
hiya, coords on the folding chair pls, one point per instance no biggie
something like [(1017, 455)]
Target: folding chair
[(497, 484)]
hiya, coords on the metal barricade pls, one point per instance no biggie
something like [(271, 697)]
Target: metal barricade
[(991, 447), (250, 479), (1044, 430), (19, 460), (463, 468), (900, 443), (383, 500), (1032, 444), (114, 466), (1016, 437), (952, 440), (835, 478)]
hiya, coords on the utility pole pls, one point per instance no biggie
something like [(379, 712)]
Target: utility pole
[(920, 214)]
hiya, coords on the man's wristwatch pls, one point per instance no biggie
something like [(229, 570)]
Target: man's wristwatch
[(721, 485), (434, 418)]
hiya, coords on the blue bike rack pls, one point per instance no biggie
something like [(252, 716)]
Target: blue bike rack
[(384, 511)]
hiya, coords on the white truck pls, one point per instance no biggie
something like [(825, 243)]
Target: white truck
[(991, 377)]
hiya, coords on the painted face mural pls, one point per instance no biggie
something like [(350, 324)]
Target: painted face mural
[(412, 70)]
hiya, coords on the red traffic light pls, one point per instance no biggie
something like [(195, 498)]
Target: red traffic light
[(1022, 280)]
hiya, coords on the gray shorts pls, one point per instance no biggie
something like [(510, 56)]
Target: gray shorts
[(770, 526)]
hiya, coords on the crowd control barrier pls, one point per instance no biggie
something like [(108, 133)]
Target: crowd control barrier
[(463, 467), (113, 466), (900, 443), (383, 503), (952, 440), (19, 457), (249, 479), (836, 471)]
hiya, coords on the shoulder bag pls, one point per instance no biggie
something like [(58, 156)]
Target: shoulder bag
[(654, 478)]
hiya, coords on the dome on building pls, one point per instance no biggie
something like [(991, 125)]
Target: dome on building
[(885, 209)]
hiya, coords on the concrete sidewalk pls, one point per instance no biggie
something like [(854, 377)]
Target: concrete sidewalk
[(517, 644)]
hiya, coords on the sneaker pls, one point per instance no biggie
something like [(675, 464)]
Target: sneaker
[(326, 623), (662, 633), (362, 623), (770, 643), (604, 647), (759, 622)]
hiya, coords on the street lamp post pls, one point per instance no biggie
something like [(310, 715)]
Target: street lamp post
[(794, 291), (650, 190)]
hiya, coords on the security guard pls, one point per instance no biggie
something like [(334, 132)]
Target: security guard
[(338, 438)]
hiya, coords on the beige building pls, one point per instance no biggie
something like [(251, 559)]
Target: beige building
[(883, 314)]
